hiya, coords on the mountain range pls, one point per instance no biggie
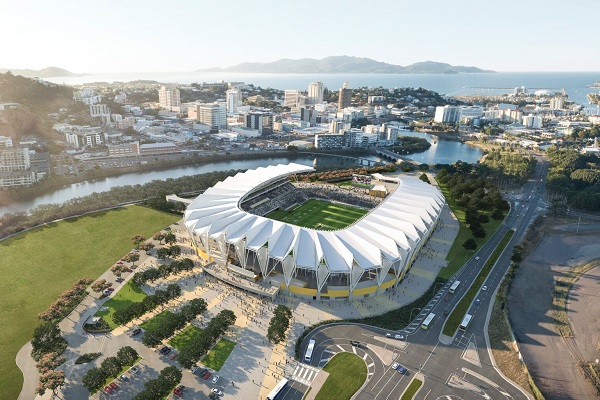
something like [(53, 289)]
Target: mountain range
[(346, 64), (49, 72)]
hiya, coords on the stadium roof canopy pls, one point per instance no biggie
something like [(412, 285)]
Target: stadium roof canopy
[(385, 238)]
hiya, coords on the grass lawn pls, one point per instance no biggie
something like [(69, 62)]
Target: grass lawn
[(47, 260), (158, 319), (185, 337), (128, 294), (410, 391), (347, 373), (458, 255), (217, 356), (456, 316), (319, 214)]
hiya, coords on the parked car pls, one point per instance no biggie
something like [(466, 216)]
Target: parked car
[(136, 331), (178, 392), (107, 389), (107, 292), (402, 370), (124, 378), (165, 350), (395, 365), (120, 280), (389, 335), (216, 391), (134, 370), (113, 386), (206, 375), (120, 262), (110, 289), (355, 343), (173, 356), (484, 288), (215, 379), (399, 337)]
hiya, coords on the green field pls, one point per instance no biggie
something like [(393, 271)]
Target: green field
[(319, 214), (128, 294), (157, 320), (217, 356), (458, 255), (38, 265), (456, 316), (189, 334), (347, 373)]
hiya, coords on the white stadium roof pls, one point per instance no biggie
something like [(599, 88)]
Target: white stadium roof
[(385, 237)]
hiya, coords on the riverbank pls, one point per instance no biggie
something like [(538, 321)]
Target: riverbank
[(55, 182)]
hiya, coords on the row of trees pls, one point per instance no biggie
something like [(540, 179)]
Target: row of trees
[(576, 177), (111, 367), (136, 310), (217, 326), (168, 252), (154, 335), (67, 301), (279, 324), (47, 346), (162, 386), (163, 271)]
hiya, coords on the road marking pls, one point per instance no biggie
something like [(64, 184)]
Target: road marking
[(296, 370), (310, 375), (365, 357), (324, 359), (329, 351), (354, 349), (340, 347), (370, 365)]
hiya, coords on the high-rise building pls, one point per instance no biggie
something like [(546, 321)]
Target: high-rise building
[(231, 101), (262, 121), (315, 93), (212, 114), (291, 99), (344, 97), (168, 96), (447, 114), (557, 103)]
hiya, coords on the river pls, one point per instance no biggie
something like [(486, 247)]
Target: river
[(441, 151)]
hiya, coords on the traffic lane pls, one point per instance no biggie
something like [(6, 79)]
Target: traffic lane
[(294, 390)]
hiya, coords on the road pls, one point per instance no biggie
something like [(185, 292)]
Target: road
[(459, 367)]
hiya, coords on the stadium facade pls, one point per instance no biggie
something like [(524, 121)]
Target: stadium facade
[(363, 259)]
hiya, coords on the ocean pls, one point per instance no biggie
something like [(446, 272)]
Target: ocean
[(575, 84)]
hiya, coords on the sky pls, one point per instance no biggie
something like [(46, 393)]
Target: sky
[(186, 35)]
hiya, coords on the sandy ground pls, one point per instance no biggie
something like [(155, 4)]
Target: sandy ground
[(530, 297)]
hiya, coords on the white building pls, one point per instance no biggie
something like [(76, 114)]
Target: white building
[(169, 96), (291, 99), (315, 92), (212, 114), (231, 101), (532, 121), (99, 110), (5, 142), (557, 103), (447, 114), (87, 96)]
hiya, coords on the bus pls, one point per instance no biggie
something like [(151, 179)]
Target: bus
[(277, 389), (454, 286), (465, 322), (428, 320), (309, 350)]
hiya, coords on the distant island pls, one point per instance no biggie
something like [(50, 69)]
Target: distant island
[(50, 72), (347, 65)]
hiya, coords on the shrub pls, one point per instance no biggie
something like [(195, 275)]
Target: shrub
[(87, 357)]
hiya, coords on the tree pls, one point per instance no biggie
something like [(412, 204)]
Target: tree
[(159, 236), (93, 379), (497, 214), (424, 178), (47, 339), (163, 253), (111, 366), (49, 361), (470, 244), (423, 167), (101, 285), (50, 380), (118, 269), (137, 239), (146, 247), (132, 258), (170, 238), (127, 355), (172, 375), (174, 251)]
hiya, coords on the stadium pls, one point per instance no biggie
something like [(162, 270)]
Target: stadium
[(320, 241)]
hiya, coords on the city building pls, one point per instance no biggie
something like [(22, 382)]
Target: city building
[(20, 168), (447, 114), (169, 96), (337, 126), (83, 136), (361, 260), (262, 121), (87, 96), (291, 99), (213, 115), (330, 141), (557, 103), (375, 99), (231, 101), (99, 110), (532, 121), (315, 93), (5, 142), (344, 97)]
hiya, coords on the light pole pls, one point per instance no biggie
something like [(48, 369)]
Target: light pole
[(411, 311)]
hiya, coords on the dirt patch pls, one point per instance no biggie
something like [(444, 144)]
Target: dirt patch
[(554, 248)]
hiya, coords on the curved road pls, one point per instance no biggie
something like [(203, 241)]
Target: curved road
[(453, 368)]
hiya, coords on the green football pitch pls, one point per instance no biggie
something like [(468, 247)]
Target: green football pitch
[(319, 214)]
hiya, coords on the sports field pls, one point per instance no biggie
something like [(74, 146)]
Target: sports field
[(319, 214)]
